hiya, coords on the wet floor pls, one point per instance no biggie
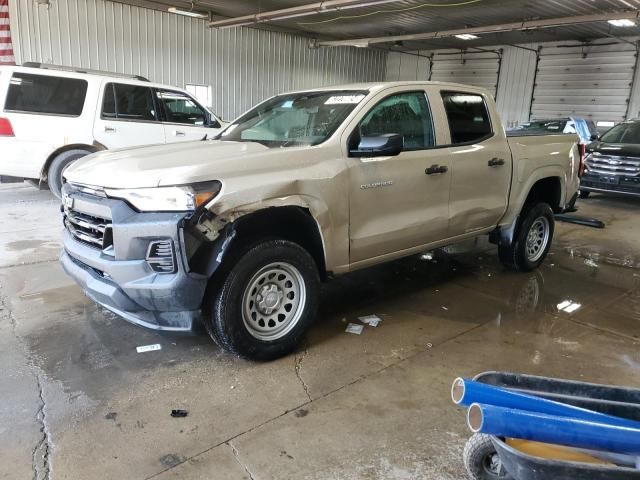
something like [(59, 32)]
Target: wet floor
[(78, 401)]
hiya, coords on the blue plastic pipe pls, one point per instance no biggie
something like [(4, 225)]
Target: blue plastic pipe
[(505, 422), (466, 392)]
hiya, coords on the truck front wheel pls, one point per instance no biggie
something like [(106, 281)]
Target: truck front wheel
[(532, 239), (263, 300)]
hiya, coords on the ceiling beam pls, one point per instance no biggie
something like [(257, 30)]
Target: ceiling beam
[(505, 27), (294, 12)]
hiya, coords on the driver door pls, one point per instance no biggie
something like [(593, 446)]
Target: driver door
[(398, 202)]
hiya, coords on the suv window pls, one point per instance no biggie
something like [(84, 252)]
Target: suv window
[(468, 117), (128, 102), (46, 94), (406, 114), (180, 108)]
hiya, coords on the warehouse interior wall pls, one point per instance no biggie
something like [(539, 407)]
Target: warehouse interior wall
[(517, 76), (243, 66)]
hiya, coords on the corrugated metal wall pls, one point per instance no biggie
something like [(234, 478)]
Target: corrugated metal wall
[(515, 86), (405, 66), (518, 73), (592, 82), (243, 65), (480, 69)]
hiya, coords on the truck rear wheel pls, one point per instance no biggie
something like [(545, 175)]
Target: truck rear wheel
[(261, 304), (59, 163), (532, 239)]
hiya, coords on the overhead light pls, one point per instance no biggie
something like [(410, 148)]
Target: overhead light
[(466, 36), (623, 22), (187, 13), (361, 44)]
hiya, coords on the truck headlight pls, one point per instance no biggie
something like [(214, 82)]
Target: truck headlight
[(178, 198)]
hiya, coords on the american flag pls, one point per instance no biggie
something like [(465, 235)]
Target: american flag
[(6, 48)]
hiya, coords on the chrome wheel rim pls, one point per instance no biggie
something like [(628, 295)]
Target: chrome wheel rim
[(273, 301), (537, 239)]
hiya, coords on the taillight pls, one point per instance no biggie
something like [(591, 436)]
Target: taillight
[(582, 148), (6, 130)]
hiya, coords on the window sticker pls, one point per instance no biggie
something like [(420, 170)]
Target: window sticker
[(342, 99)]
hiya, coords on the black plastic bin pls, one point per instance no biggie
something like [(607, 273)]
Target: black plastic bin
[(612, 400)]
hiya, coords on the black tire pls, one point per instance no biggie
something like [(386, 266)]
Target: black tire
[(584, 194), (223, 306), (57, 166), (515, 256), (481, 459)]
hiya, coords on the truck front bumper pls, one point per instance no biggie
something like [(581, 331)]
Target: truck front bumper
[(120, 278)]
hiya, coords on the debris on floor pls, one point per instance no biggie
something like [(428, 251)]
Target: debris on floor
[(568, 306), (590, 263), (371, 320), (149, 348), (177, 413), (354, 328), (444, 308)]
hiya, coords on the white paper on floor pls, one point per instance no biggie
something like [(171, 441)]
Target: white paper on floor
[(148, 348), (371, 320), (354, 328)]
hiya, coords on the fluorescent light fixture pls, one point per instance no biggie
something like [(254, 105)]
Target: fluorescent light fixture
[(623, 22), (361, 44), (187, 13), (466, 36)]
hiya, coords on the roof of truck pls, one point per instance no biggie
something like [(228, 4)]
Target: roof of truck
[(375, 86)]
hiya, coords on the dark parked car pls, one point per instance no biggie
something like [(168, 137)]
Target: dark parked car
[(612, 163)]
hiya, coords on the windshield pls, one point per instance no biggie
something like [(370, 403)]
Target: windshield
[(556, 126), (307, 118), (627, 132)]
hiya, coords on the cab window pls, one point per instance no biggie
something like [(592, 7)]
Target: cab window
[(468, 117), (406, 114)]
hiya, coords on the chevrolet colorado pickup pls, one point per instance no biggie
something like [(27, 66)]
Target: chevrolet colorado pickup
[(237, 232)]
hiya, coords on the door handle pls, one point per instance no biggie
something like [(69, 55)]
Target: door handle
[(109, 129), (178, 133), (436, 169), (495, 162)]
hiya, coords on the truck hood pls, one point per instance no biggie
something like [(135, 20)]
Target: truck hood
[(615, 149), (173, 164)]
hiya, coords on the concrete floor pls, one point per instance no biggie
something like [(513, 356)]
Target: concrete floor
[(79, 402)]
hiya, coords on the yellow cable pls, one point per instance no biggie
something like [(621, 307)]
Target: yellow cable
[(396, 10)]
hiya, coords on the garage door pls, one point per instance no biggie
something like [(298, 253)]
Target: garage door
[(592, 82), (479, 69)]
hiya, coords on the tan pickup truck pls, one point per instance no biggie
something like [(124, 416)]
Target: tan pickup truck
[(238, 231)]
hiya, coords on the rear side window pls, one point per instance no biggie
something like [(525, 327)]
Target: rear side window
[(468, 117), (45, 94), (128, 102)]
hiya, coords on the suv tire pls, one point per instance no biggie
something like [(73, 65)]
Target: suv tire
[(532, 239), (58, 165), (261, 304)]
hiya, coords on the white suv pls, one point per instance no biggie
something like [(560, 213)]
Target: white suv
[(53, 115)]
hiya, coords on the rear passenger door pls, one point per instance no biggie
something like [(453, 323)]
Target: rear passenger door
[(480, 163), (128, 117), (183, 118)]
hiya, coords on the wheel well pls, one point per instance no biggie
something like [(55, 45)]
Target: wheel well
[(66, 148), (290, 223), (547, 190)]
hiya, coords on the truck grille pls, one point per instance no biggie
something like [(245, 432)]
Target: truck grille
[(609, 164), (88, 229)]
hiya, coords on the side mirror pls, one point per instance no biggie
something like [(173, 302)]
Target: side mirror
[(594, 137), (212, 122), (387, 145)]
